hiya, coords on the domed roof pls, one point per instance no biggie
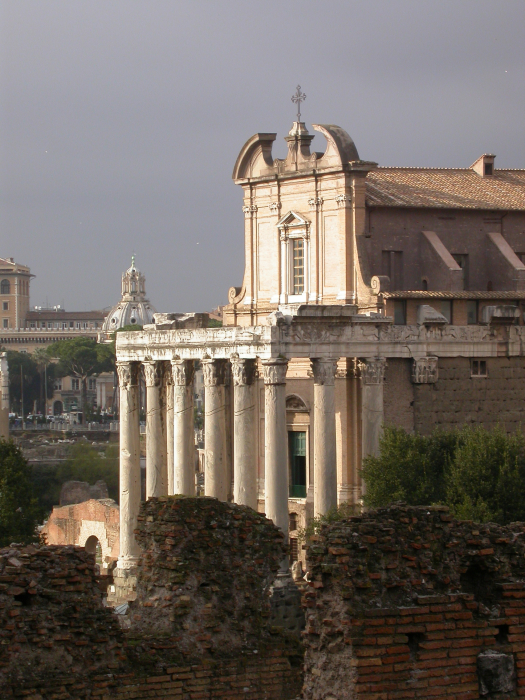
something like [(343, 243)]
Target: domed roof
[(133, 307)]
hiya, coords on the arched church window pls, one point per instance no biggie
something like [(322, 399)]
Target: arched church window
[(5, 287)]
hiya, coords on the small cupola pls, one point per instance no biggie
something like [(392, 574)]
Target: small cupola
[(484, 165)]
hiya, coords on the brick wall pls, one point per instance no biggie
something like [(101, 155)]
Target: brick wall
[(408, 603), (200, 627), (457, 398)]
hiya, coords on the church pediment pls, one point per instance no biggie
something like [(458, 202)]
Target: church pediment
[(293, 220)]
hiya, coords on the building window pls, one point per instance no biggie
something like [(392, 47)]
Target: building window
[(92, 384), (75, 384), (71, 324), (446, 309), (57, 386), (292, 522), (392, 267), (297, 453), (472, 312), (298, 265), (78, 325), (400, 312), (5, 305), (5, 287), (293, 550), (6, 323), (488, 168), (478, 368)]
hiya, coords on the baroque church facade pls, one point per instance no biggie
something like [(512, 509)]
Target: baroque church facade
[(370, 296)]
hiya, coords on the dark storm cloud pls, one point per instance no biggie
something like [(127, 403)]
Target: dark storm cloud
[(121, 121)]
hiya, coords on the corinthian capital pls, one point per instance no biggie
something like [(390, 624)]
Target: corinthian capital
[(373, 371), (182, 372), (243, 371), (274, 371), (324, 371), (128, 374), (153, 373), (425, 370), (214, 372)]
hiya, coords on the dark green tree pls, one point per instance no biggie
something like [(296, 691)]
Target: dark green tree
[(19, 513), (82, 358), (24, 381)]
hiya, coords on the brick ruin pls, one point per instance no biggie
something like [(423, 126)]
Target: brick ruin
[(406, 602), (200, 626), (402, 603)]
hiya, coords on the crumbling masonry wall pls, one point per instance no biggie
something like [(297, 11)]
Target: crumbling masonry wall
[(200, 626), (406, 602)]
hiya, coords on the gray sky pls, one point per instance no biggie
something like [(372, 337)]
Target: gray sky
[(121, 121)]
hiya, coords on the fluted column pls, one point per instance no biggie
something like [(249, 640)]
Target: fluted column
[(156, 459), (372, 411), (216, 478), (128, 376), (275, 451), (168, 383), (183, 432), (244, 466), (325, 458)]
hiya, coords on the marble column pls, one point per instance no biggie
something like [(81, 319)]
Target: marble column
[(372, 412), (244, 447), (156, 458), (276, 448), (128, 375), (183, 431), (325, 456), (168, 383), (4, 396), (216, 478)]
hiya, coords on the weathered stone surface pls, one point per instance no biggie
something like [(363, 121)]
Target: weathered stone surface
[(496, 672), (79, 491)]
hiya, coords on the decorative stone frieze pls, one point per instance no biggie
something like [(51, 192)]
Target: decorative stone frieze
[(214, 372), (183, 372), (274, 371), (425, 370), (373, 371), (128, 374), (243, 371), (153, 373), (324, 371), (343, 201)]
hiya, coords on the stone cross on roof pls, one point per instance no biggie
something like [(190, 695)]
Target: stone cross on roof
[(297, 98)]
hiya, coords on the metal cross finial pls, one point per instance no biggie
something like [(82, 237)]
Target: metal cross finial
[(298, 98)]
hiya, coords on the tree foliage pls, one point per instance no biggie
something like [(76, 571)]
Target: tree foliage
[(84, 463), (478, 473), (31, 369), (19, 513)]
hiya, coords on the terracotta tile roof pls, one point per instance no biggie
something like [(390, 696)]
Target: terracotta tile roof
[(454, 295), (459, 188)]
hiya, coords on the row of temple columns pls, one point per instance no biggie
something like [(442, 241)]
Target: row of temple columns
[(170, 437)]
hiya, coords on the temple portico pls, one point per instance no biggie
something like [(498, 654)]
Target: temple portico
[(248, 372)]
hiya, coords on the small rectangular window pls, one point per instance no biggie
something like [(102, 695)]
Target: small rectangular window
[(446, 310), (400, 312), (488, 168), (6, 323), (297, 455), (75, 384), (478, 368), (472, 312), (298, 266), (71, 324), (5, 305), (293, 549)]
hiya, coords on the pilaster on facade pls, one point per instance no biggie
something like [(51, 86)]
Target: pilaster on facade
[(343, 201), (425, 370), (249, 209)]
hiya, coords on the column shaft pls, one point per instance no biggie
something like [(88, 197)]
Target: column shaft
[(156, 457), (325, 456), (128, 373), (275, 454), (372, 412), (168, 377), (183, 432), (244, 448), (216, 480), (4, 396)]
